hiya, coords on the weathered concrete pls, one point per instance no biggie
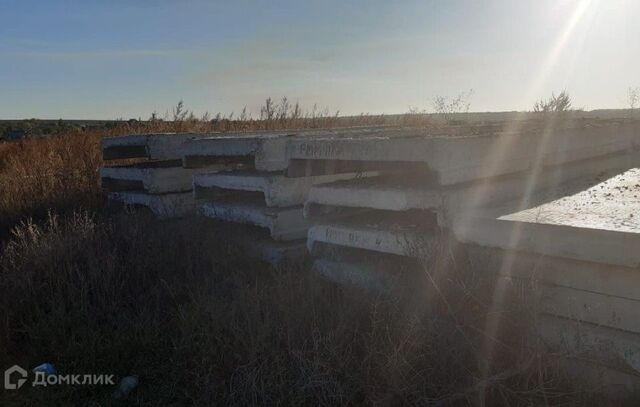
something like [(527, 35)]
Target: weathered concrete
[(278, 190), (157, 177), (282, 223), (162, 146), (539, 269), (402, 238), (595, 308), (277, 254), (600, 224), (462, 159), (581, 339), (164, 205), (366, 276), (378, 273), (266, 150), (402, 192)]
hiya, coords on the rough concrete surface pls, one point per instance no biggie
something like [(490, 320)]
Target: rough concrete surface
[(164, 205), (278, 190), (267, 149), (593, 307), (461, 159), (404, 192), (282, 223), (403, 239), (599, 224), (156, 177), (606, 279), (162, 146)]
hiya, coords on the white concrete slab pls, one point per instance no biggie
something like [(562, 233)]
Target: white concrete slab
[(600, 224), (402, 192), (282, 223), (267, 150), (403, 239), (155, 177), (462, 159), (161, 146), (278, 190), (164, 206)]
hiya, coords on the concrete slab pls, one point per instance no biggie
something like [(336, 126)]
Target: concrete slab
[(277, 254), (376, 272), (282, 223), (278, 190), (365, 276), (581, 275), (164, 206), (599, 309), (266, 151), (402, 192), (580, 339), (600, 224), (154, 177), (161, 146), (462, 159), (586, 306), (401, 237)]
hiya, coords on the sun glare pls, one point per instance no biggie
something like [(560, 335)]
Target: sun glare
[(582, 14)]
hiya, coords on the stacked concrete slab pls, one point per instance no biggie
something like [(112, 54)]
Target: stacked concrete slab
[(448, 183), (367, 202), (426, 181), (260, 194), (155, 179), (580, 258)]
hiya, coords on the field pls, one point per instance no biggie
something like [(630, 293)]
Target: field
[(92, 290)]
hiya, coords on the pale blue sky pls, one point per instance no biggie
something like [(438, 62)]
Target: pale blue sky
[(115, 59)]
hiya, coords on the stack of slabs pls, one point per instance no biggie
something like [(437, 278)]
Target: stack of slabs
[(260, 194), (579, 257), (156, 179), (428, 181)]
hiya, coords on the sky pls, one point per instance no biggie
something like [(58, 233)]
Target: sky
[(126, 59)]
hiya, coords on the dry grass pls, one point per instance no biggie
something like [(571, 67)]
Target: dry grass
[(61, 172), (201, 325), (39, 174)]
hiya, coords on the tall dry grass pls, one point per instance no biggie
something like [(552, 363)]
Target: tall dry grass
[(176, 304), (61, 172), (202, 325), (53, 173)]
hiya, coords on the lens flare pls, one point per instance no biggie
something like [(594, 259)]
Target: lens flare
[(501, 152)]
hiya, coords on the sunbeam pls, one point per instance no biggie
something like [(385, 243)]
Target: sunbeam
[(501, 152)]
